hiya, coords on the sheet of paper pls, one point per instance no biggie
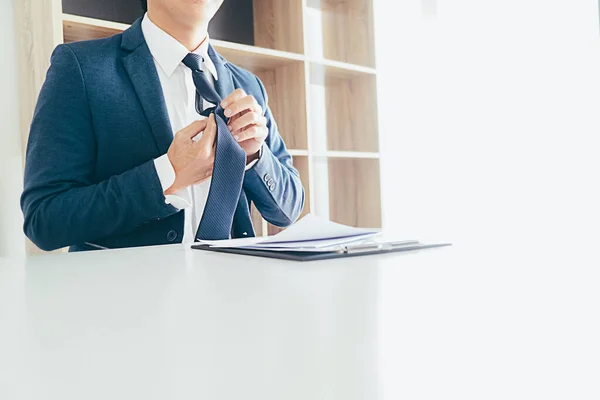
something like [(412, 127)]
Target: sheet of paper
[(312, 227), (310, 231), (315, 244), (233, 242)]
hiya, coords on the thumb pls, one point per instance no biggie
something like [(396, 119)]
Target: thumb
[(193, 129), (210, 132)]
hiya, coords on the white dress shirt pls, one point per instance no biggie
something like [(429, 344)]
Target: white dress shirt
[(180, 97)]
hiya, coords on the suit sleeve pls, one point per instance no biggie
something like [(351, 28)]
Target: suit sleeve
[(61, 203), (273, 184)]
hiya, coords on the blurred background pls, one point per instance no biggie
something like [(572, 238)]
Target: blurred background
[(488, 119)]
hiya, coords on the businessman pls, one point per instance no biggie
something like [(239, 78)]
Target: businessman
[(151, 137)]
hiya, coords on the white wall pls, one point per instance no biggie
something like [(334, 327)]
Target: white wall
[(11, 237), (489, 113), (490, 140)]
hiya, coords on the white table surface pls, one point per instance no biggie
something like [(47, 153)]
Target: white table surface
[(172, 323)]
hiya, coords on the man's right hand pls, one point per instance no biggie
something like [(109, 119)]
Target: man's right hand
[(193, 161)]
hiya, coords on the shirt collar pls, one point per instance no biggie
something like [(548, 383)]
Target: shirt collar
[(168, 52)]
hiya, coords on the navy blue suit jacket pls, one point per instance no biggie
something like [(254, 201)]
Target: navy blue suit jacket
[(99, 123)]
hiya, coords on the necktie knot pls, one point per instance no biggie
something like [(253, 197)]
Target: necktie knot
[(193, 62), (204, 89)]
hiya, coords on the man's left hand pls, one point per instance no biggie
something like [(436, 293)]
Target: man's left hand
[(246, 121)]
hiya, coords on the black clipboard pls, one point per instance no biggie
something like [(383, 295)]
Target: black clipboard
[(344, 252)]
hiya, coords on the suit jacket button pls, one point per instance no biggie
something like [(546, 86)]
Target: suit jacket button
[(267, 177), (171, 236)]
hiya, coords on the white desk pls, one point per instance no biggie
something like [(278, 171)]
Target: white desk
[(169, 323)]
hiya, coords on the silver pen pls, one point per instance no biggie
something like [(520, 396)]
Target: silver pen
[(376, 246)]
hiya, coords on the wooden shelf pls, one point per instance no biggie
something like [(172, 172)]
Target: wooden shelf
[(354, 192), (296, 152), (252, 58), (271, 24), (347, 30), (255, 59), (278, 25), (337, 69), (302, 164), (346, 104), (347, 154), (286, 88), (76, 28), (257, 221)]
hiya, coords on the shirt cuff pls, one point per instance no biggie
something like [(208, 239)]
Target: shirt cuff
[(166, 175), (253, 162)]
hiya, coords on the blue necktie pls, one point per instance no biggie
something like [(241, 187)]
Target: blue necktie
[(229, 165)]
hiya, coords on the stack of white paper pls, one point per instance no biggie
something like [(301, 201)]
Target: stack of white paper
[(311, 233)]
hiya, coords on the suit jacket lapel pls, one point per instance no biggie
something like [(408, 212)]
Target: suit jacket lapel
[(139, 64), (225, 84)]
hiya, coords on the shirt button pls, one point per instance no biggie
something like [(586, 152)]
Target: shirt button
[(171, 236)]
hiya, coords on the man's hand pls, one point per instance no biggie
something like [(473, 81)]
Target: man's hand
[(193, 161), (246, 122)]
